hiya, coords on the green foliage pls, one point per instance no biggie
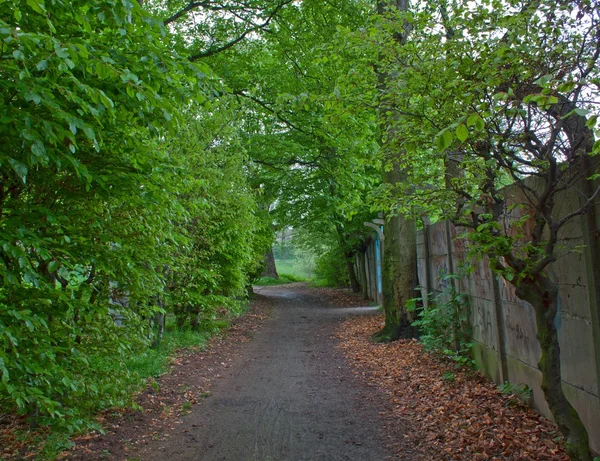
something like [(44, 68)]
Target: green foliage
[(312, 149), (119, 198), (521, 392), (219, 228), (443, 324), (282, 280), (330, 269)]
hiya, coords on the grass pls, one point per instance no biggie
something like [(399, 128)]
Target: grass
[(283, 279), (155, 362), (290, 271), (298, 268)]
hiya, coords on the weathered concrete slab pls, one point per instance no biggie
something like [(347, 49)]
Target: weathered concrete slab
[(588, 408), (577, 360), (483, 322), (521, 341)]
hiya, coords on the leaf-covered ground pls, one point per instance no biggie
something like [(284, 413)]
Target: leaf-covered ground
[(453, 413)]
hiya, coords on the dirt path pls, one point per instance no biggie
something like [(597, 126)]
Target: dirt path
[(287, 396)]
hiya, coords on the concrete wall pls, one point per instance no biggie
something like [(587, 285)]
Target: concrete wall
[(503, 326)]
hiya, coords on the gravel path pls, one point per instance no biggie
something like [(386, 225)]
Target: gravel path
[(287, 396)]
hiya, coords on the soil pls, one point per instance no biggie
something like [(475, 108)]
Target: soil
[(275, 388)]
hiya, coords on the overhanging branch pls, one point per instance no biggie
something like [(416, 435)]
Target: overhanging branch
[(233, 42)]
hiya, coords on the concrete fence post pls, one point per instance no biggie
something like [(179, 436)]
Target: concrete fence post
[(428, 282), (500, 327)]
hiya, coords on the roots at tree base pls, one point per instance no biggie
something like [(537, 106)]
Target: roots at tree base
[(393, 332)]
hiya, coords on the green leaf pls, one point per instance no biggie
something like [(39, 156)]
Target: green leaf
[(52, 266), (89, 132), (566, 87), (38, 149), (444, 140), (20, 168), (33, 96), (37, 5), (42, 65), (476, 121), (581, 112), (543, 80), (462, 132)]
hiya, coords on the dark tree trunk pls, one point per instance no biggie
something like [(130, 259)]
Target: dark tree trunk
[(270, 269), (157, 324), (542, 294), (363, 274), (352, 274)]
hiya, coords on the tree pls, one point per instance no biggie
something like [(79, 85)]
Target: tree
[(309, 151), (221, 235), (399, 268), (121, 173), (85, 101), (516, 106)]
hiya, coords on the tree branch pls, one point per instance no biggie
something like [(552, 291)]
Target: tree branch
[(231, 43)]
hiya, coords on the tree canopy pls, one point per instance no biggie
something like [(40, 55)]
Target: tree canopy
[(151, 148)]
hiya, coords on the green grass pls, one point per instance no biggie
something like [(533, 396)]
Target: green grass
[(283, 279), (298, 268), (290, 271), (155, 362)]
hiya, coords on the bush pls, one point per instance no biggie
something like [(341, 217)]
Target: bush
[(331, 270)]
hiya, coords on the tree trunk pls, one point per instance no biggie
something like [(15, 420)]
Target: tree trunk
[(362, 267), (399, 274), (354, 284), (399, 268), (270, 269), (542, 294)]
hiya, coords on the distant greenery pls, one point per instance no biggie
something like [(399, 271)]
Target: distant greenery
[(330, 269), (301, 267), (282, 280)]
